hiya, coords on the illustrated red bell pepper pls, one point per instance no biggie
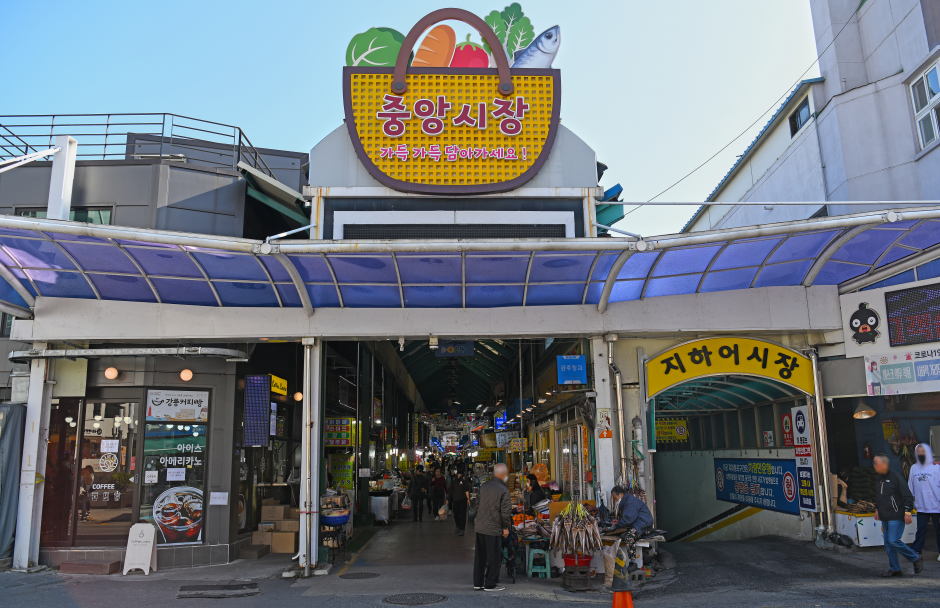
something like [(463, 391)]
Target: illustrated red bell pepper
[(469, 55)]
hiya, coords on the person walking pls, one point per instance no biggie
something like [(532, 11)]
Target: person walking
[(418, 491), (924, 483), (893, 504), (494, 516), (438, 493), (459, 498)]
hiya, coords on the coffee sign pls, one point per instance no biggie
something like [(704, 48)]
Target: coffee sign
[(177, 405)]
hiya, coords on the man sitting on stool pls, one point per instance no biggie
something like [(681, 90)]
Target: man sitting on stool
[(635, 518)]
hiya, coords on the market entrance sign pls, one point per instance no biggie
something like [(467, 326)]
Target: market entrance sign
[(723, 356), (454, 130)]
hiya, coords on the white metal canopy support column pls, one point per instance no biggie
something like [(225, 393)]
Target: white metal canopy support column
[(35, 438), (611, 279), (63, 171), (298, 282), (603, 447), (311, 450)]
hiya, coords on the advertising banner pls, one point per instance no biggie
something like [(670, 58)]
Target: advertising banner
[(341, 467), (768, 483), (803, 452), (278, 385), (519, 444), (484, 455), (672, 430), (903, 372), (503, 439), (786, 423), (572, 369)]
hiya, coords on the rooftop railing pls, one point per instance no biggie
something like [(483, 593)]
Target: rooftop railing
[(133, 137)]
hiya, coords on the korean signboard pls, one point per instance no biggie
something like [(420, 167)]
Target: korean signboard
[(484, 455), (803, 457), (337, 432), (377, 410), (519, 444), (572, 369), (742, 356), (341, 467), (901, 372), (672, 430), (768, 483), (445, 124), (177, 405), (503, 439)]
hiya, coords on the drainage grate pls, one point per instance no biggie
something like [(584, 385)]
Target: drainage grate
[(238, 590), (358, 575), (414, 599)]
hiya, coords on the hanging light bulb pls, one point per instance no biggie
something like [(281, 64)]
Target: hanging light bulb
[(72, 424), (118, 419), (169, 426), (96, 425), (99, 417), (298, 396), (186, 375), (111, 373), (68, 419), (195, 433), (179, 427), (187, 427)]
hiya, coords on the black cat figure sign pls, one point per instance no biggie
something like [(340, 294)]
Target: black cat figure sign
[(864, 323)]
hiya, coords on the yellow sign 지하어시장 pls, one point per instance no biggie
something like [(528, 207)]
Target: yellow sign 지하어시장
[(722, 356), (278, 385), (672, 430)]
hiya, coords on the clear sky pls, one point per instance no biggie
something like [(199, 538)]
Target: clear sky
[(655, 87)]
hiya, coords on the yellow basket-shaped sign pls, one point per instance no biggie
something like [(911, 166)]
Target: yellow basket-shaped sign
[(452, 130)]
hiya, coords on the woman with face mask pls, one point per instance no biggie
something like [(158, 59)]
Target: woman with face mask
[(925, 486)]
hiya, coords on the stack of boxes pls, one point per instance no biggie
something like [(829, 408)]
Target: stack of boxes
[(279, 528)]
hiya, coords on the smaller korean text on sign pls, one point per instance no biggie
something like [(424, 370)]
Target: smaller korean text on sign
[(672, 430), (768, 483), (338, 432)]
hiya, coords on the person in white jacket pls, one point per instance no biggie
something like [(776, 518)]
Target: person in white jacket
[(924, 483)]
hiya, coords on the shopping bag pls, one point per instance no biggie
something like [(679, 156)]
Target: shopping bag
[(610, 562), (406, 504), (442, 512)]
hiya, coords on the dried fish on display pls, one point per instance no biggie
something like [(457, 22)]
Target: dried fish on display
[(575, 531)]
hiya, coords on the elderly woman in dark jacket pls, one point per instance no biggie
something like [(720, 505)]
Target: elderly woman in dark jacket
[(536, 493)]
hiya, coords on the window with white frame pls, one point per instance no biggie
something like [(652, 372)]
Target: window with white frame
[(925, 93)]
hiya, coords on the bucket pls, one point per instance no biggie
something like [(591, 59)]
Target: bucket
[(409, 131), (578, 561)]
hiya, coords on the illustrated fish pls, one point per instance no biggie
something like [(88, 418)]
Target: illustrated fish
[(541, 53)]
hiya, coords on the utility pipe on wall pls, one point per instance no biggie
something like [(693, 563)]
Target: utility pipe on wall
[(618, 416), (822, 446)]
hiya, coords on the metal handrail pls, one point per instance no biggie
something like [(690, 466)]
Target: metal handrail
[(99, 135)]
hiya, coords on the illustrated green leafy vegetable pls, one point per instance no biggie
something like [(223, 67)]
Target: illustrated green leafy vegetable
[(496, 23), (511, 14), (377, 46), (520, 36)]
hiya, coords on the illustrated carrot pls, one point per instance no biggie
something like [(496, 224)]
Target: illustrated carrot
[(437, 48)]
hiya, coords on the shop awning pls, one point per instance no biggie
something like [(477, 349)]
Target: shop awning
[(723, 393), (74, 260)]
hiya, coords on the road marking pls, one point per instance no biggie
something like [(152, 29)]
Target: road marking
[(356, 556)]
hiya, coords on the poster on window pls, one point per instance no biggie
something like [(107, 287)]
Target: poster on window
[(177, 405), (174, 481)]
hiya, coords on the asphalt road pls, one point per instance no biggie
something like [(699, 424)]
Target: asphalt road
[(758, 573)]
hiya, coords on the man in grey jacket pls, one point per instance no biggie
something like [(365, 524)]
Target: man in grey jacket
[(494, 516)]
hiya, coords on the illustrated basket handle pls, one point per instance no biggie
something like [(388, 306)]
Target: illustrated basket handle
[(399, 86)]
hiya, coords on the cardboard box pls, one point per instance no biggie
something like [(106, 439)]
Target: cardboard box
[(261, 538), (267, 526), (294, 513), (274, 512), (283, 542), (287, 525)]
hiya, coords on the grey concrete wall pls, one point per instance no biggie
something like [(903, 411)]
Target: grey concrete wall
[(140, 194), (333, 163), (208, 373)]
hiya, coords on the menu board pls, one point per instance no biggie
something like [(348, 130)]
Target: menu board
[(341, 467), (337, 432), (174, 481)]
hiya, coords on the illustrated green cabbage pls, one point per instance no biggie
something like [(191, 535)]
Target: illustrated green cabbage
[(376, 47)]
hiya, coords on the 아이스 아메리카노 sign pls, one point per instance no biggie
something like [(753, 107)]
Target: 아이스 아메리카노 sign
[(439, 127), (720, 356), (176, 405)]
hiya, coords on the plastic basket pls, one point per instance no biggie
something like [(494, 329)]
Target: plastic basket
[(334, 520), (369, 95)]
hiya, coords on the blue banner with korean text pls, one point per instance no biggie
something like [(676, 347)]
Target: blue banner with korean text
[(572, 369), (764, 483)]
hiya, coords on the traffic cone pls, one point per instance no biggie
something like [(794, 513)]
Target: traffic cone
[(623, 599)]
